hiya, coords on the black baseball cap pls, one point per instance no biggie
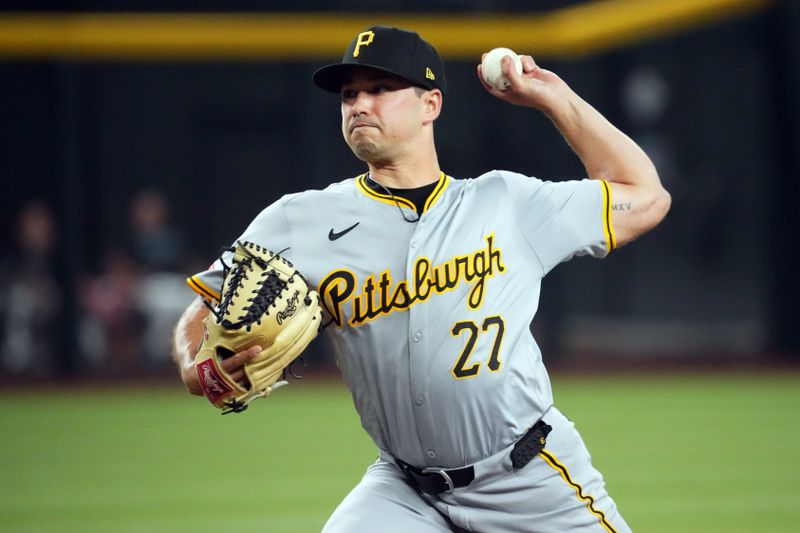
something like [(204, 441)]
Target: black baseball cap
[(393, 50)]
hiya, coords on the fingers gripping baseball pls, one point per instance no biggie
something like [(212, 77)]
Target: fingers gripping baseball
[(535, 87)]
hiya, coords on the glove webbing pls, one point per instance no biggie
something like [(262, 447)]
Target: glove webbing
[(268, 290)]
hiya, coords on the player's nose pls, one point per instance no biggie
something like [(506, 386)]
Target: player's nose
[(361, 103)]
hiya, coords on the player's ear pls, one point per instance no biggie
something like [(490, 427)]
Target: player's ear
[(433, 104)]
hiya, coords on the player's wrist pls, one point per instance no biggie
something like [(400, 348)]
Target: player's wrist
[(190, 380), (187, 370), (561, 105)]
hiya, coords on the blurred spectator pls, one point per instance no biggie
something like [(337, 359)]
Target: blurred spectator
[(162, 298), (31, 297), (161, 251), (113, 325), (156, 245), (133, 303)]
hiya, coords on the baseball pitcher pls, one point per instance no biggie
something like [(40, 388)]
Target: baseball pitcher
[(429, 284)]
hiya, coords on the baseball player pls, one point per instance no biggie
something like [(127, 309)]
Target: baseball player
[(431, 283)]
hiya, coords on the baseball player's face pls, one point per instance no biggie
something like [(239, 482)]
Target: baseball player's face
[(382, 115)]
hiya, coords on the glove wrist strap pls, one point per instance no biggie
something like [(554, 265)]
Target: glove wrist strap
[(216, 384)]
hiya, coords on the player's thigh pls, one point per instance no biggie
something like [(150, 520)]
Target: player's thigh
[(558, 491), (384, 502), (575, 485)]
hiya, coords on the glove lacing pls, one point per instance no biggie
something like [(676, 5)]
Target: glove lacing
[(262, 299)]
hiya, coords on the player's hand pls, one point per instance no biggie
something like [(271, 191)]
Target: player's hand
[(233, 365), (536, 87)]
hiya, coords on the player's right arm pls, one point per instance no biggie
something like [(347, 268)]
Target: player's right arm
[(186, 339), (639, 200)]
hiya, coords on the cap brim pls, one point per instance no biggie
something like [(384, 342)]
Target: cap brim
[(331, 77)]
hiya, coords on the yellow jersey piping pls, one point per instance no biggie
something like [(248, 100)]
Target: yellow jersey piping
[(385, 198), (361, 181), (608, 229), (561, 469), (202, 289), (444, 181)]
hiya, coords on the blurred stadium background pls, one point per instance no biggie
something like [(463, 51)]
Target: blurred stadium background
[(138, 137)]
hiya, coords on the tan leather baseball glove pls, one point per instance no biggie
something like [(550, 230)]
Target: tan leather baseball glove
[(264, 302)]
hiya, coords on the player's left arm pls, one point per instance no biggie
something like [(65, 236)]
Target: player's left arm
[(639, 200)]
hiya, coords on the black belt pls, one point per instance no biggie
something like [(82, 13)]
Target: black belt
[(434, 481)]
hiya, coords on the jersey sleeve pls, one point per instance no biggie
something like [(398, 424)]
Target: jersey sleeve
[(562, 219), (269, 229)]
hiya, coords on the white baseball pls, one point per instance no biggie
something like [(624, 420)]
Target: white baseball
[(490, 67)]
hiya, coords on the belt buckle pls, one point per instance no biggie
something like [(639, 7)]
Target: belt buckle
[(442, 472)]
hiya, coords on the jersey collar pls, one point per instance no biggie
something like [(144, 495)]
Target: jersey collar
[(438, 190)]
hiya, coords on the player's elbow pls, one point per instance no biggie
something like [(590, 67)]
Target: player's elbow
[(651, 206), (660, 203), (655, 206), (654, 199)]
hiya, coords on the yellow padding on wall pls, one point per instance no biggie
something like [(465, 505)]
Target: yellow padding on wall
[(574, 31)]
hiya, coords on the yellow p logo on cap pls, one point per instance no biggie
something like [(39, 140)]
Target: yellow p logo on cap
[(364, 39)]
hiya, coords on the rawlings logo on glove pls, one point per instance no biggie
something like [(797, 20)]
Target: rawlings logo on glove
[(212, 382), (264, 302), (291, 308)]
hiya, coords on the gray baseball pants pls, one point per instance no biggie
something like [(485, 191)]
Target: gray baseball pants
[(557, 492)]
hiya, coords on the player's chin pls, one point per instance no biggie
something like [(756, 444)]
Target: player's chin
[(366, 150)]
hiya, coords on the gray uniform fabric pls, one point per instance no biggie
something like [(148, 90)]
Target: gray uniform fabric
[(562, 493), (431, 329)]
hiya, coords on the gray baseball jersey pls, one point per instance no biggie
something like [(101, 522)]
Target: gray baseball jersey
[(431, 319)]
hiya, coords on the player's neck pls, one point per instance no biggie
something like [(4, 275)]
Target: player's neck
[(406, 175)]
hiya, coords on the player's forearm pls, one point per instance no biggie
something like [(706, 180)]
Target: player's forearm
[(606, 152), (185, 341)]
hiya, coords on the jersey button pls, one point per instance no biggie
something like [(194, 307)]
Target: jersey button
[(413, 243), (420, 399), (417, 336), (432, 454)]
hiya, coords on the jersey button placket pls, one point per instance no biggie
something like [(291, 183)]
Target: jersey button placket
[(419, 318)]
